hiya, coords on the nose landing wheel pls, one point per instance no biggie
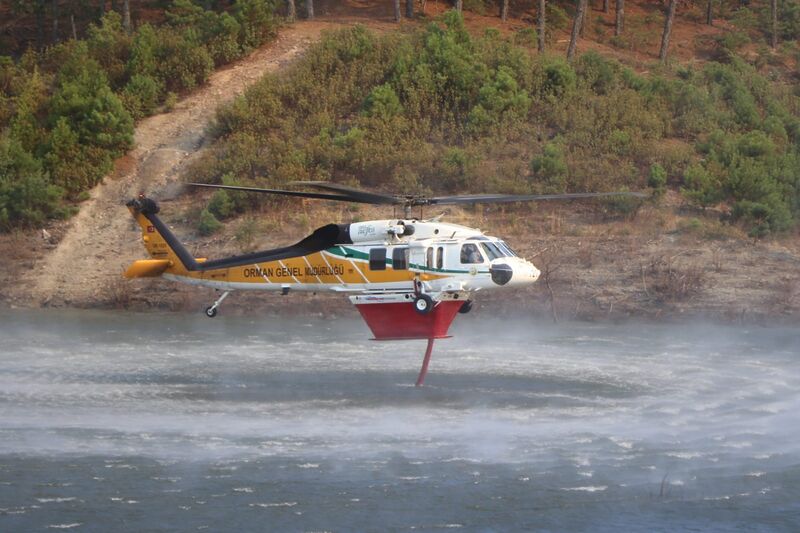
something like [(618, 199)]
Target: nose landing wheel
[(423, 304)]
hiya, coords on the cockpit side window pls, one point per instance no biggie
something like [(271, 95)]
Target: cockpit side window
[(470, 254)]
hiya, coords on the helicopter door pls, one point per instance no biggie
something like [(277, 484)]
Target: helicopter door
[(417, 257)]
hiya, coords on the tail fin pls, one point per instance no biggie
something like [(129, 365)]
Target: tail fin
[(161, 243)]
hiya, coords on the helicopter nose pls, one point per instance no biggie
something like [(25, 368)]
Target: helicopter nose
[(518, 273)]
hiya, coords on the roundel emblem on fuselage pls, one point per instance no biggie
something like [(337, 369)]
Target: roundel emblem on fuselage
[(473, 271)]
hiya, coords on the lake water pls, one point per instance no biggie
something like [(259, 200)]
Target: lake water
[(160, 422)]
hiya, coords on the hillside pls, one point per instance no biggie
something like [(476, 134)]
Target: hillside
[(615, 118)]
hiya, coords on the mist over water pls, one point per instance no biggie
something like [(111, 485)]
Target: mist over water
[(175, 422)]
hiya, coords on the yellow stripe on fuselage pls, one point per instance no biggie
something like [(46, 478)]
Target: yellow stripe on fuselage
[(309, 269)]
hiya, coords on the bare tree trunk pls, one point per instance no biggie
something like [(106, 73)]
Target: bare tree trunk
[(662, 54), (126, 15), (459, 5), (540, 24), (40, 24), (504, 10), (310, 9), (72, 23), (291, 11), (409, 9), (102, 8), (55, 21), (773, 6), (620, 18), (113, 5), (710, 13), (605, 6), (397, 10), (576, 28)]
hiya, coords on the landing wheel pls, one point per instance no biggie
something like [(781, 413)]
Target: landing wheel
[(466, 307), (423, 304), (211, 312)]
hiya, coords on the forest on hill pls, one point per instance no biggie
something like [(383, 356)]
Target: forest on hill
[(441, 106), (444, 109), (68, 107)]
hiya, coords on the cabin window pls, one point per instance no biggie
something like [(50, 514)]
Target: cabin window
[(400, 258), (440, 258), (470, 254), (377, 259), (429, 257)]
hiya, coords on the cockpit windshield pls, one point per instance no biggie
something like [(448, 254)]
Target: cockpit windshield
[(506, 249), (496, 249), (491, 251)]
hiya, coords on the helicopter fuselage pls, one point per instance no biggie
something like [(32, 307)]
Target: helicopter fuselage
[(383, 256)]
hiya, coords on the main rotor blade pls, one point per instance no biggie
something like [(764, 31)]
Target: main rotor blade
[(299, 194), (366, 197), (503, 198)]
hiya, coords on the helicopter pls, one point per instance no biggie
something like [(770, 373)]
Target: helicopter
[(408, 277)]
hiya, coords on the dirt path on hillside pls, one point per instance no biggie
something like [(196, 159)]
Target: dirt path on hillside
[(98, 244)]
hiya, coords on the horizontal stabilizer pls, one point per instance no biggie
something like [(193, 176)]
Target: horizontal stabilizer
[(147, 268)]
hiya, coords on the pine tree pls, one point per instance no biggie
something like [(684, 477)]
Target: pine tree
[(576, 28), (662, 55), (540, 24)]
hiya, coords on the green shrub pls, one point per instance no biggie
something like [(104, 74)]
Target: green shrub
[(182, 64), (770, 215), (526, 37), (597, 72), (459, 166), (729, 43), (74, 166), (622, 206), (500, 99), (700, 187), (657, 179), (620, 142), (26, 196), (550, 169), (559, 77), (94, 112), (110, 45), (476, 6), (256, 21), (208, 223), (220, 205), (557, 18), (144, 59), (142, 95), (755, 144), (382, 102)]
